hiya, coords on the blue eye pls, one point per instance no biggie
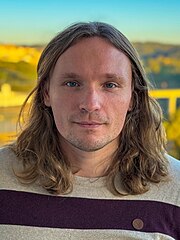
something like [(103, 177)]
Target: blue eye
[(110, 85), (72, 84)]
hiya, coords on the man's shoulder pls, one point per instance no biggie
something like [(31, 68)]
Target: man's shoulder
[(7, 160), (174, 167), (6, 154), (9, 166), (169, 190)]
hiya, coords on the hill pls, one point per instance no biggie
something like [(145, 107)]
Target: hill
[(18, 64), (162, 63)]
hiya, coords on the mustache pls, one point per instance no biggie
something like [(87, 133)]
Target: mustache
[(93, 117)]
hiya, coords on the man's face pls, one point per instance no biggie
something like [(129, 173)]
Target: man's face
[(90, 93)]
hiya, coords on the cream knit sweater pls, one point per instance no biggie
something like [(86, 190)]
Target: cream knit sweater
[(28, 212)]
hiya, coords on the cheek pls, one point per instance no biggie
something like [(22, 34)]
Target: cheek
[(62, 109), (119, 112), (120, 115), (59, 112), (58, 117)]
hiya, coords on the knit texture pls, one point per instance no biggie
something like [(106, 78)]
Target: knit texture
[(91, 211)]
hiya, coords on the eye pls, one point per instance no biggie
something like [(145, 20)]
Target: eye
[(72, 84), (111, 85)]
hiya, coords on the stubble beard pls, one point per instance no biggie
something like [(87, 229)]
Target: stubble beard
[(88, 145)]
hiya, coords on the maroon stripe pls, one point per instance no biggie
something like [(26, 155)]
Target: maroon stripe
[(31, 209)]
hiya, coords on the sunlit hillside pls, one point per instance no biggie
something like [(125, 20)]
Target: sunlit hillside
[(18, 66), (162, 63), (12, 53)]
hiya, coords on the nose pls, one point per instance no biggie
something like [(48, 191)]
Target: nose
[(90, 101)]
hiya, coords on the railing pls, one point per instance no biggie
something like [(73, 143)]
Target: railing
[(171, 94)]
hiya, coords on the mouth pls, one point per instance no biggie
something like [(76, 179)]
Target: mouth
[(88, 124)]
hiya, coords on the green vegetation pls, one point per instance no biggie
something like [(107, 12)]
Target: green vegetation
[(162, 63), (21, 75)]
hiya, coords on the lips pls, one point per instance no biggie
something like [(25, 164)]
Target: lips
[(89, 124)]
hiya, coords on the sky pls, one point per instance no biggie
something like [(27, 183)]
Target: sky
[(38, 21)]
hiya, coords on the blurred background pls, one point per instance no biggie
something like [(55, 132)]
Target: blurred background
[(27, 26)]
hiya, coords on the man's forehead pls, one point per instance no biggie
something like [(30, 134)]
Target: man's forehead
[(103, 61), (92, 42)]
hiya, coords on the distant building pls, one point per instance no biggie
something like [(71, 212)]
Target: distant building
[(9, 98)]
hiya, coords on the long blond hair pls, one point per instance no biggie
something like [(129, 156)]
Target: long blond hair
[(140, 157)]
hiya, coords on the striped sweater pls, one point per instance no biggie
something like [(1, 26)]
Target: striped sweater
[(89, 212)]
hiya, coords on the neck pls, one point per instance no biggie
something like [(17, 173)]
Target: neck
[(89, 164)]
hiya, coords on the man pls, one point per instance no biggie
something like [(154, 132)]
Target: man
[(90, 162)]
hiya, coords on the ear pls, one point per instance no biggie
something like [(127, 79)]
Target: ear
[(46, 96)]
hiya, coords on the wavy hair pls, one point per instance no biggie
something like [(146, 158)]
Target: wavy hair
[(140, 158)]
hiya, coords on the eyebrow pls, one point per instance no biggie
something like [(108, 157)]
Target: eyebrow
[(70, 75), (111, 76)]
